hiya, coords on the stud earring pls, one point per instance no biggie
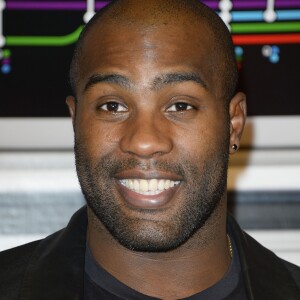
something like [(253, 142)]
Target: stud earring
[(234, 147)]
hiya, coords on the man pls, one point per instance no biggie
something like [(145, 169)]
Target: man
[(155, 117)]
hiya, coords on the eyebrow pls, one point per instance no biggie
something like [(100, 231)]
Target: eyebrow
[(158, 83), (112, 78), (171, 78)]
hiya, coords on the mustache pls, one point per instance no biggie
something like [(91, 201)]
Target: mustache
[(110, 164), (113, 165)]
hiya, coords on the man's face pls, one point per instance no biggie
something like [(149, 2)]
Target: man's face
[(151, 135)]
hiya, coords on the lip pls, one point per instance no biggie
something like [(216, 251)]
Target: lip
[(138, 200)]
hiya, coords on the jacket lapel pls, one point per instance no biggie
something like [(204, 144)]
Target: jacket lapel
[(264, 274)]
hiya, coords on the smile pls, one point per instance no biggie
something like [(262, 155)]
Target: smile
[(148, 187)]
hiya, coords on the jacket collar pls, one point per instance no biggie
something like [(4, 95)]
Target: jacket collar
[(264, 274)]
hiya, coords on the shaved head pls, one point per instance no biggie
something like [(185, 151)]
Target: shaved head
[(152, 14)]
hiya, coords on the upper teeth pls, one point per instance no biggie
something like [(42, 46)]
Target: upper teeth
[(148, 187)]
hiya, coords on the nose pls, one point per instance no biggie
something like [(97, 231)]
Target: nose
[(146, 136)]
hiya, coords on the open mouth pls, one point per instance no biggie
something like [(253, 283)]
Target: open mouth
[(148, 187), (148, 193)]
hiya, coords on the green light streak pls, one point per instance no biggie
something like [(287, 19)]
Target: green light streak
[(265, 27), (71, 38), (44, 40)]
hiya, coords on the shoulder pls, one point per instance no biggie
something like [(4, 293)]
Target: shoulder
[(264, 273), (270, 261), (16, 257), (294, 271), (13, 263), (272, 274), (42, 266)]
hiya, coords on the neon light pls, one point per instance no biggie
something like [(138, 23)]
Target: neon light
[(6, 53), (265, 27), (242, 16), (262, 39), (255, 4), (262, 4), (238, 51), (258, 16), (5, 69), (288, 14), (81, 5), (44, 40)]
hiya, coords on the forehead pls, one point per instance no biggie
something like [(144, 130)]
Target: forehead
[(139, 52)]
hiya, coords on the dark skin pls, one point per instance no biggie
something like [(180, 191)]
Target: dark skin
[(148, 119)]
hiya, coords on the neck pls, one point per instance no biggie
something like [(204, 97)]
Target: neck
[(191, 268)]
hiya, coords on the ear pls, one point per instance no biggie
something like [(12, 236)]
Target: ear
[(71, 102), (237, 112)]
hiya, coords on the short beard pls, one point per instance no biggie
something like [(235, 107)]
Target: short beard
[(204, 188)]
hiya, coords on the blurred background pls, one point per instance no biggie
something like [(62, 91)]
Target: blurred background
[(39, 190)]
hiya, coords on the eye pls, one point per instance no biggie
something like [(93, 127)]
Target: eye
[(180, 106), (113, 107)]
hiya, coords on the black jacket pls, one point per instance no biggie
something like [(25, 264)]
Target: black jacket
[(53, 268)]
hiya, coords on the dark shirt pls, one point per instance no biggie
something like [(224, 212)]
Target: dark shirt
[(99, 284)]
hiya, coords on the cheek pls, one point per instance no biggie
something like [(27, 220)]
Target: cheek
[(195, 145), (97, 137), (200, 141)]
